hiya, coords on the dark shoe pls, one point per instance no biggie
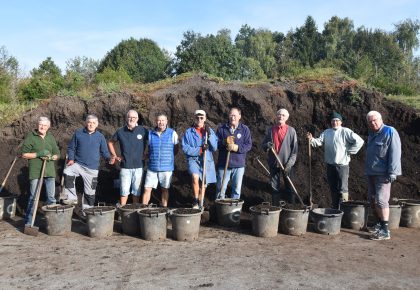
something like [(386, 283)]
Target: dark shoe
[(381, 235), (375, 228)]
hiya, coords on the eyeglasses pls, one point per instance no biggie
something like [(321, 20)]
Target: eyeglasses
[(132, 118), (199, 118)]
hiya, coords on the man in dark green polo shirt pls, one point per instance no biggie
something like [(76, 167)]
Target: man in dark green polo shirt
[(38, 145)]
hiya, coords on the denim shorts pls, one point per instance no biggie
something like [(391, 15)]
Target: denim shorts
[(162, 177), (379, 188), (130, 181)]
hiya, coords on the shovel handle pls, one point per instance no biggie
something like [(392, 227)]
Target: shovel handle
[(8, 173), (287, 177), (38, 192)]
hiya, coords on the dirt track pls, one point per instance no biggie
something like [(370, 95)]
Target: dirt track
[(219, 259)]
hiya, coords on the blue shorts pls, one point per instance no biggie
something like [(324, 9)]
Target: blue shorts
[(130, 181), (162, 177)]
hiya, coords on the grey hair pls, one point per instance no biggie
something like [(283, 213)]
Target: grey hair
[(91, 117), (44, 119), (284, 111), (373, 113), (161, 114), (133, 111)]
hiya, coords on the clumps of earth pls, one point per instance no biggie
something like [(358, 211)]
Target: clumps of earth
[(308, 102)]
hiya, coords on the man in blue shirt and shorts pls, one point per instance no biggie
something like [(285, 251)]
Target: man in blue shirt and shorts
[(132, 139)]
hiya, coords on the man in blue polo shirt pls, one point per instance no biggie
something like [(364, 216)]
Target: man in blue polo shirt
[(84, 151), (233, 137), (132, 139)]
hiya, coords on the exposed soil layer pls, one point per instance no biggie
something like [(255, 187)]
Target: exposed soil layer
[(309, 104)]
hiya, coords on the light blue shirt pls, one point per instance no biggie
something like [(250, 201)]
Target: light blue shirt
[(338, 145)]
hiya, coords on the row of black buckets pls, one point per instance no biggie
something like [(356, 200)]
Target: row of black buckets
[(150, 223), (267, 220)]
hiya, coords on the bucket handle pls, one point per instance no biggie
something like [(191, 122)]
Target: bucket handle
[(99, 210), (236, 202), (61, 210), (101, 203), (152, 205), (154, 212)]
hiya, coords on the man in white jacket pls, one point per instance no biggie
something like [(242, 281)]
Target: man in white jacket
[(339, 142)]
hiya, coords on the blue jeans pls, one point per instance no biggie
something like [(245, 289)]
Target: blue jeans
[(50, 190), (235, 175)]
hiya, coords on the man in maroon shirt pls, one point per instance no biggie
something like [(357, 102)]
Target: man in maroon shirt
[(283, 139)]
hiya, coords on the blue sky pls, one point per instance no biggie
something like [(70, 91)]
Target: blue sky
[(31, 31)]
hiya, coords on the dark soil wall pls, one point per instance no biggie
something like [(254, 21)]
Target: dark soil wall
[(309, 104)]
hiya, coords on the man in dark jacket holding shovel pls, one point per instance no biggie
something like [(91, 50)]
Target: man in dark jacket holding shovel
[(234, 141), (37, 146), (282, 139)]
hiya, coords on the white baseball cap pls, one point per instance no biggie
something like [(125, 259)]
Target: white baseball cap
[(199, 112)]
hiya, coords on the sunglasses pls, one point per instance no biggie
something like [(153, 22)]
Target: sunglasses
[(199, 117)]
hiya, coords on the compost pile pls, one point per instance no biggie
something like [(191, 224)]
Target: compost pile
[(308, 102)]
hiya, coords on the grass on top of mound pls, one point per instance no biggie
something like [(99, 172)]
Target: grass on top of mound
[(412, 101), (12, 111)]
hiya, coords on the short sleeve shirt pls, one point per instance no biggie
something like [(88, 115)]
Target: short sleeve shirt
[(132, 145)]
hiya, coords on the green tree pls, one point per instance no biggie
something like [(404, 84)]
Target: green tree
[(338, 36), (213, 54), (306, 43), (9, 70), (406, 36), (46, 81), (260, 45), (142, 59)]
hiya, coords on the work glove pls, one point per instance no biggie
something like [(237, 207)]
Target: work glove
[(269, 146), (230, 140), (43, 153), (205, 146), (287, 169), (392, 178), (207, 128), (232, 147)]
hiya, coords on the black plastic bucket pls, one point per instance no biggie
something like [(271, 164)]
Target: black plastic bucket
[(327, 220), (7, 207), (293, 221), (265, 220), (100, 220), (410, 214), (58, 218), (153, 223), (185, 224), (354, 214), (228, 211)]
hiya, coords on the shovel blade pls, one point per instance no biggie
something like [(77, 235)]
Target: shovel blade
[(31, 231)]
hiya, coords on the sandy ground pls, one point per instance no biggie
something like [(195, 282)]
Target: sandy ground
[(220, 259)]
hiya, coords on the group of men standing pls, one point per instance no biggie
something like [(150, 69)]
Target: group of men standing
[(159, 146)]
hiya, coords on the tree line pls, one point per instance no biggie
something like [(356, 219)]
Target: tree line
[(382, 59)]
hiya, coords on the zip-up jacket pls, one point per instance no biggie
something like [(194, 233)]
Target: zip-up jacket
[(383, 153), (242, 138)]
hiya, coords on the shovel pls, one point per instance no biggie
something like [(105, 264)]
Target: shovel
[(8, 173), (310, 173), (229, 141), (203, 183), (31, 229), (287, 177)]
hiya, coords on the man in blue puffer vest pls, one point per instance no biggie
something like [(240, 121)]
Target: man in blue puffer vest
[(163, 146)]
